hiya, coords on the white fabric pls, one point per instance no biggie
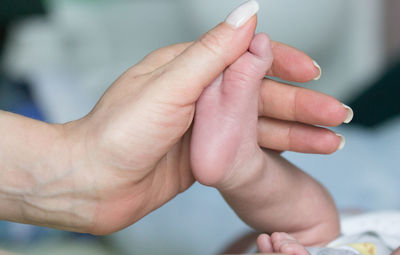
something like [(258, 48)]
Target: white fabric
[(386, 224)]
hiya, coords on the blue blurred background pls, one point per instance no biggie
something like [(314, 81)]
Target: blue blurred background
[(58, 57)]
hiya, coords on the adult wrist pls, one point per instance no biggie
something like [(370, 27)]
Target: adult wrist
[(38, 176)]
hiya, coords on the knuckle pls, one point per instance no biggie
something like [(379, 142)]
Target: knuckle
[(212, 42), (295, 98), (290, 143)]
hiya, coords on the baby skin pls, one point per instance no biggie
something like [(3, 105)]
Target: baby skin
[(264, 189), (280, 242)]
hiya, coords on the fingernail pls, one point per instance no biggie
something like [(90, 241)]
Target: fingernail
[(243, 13), (320, 70), (342, 141), (350, 114)]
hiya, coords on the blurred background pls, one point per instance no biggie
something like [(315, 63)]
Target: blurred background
[(58, 56)]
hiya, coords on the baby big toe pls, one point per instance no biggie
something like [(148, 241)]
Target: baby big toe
[(264, 243), (260, 47), (285, 243)]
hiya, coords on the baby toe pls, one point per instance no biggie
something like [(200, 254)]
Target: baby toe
[(278, 236), (281, 239), (264, 243), (261, 47), (293, 248)]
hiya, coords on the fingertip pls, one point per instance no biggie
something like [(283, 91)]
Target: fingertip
[(342, 141), (318, 71), (320, 109), (337, 113), (242, 14), (350, 114), (329, 142), (312, 70), (310, 139), (291, 64)]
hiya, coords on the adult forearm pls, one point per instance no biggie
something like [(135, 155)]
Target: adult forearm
[(282, 198), (36, 184)]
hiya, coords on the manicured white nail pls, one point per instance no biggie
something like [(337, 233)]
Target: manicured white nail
[(243, 13), (342, 141), (350, 114), (320, 70)]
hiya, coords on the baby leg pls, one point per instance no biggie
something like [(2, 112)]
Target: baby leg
[(265, 190)]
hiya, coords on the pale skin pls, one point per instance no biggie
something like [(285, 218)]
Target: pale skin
[(265, 190), (130, 155), (280, 242)]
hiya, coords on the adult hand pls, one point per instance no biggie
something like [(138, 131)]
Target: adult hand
[(130, 155), (290, 117), (138, 136)]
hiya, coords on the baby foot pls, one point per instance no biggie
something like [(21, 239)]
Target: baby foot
[(224, 138), (280, 243)]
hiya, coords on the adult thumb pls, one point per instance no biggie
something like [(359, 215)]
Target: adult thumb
[(183, 79)]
